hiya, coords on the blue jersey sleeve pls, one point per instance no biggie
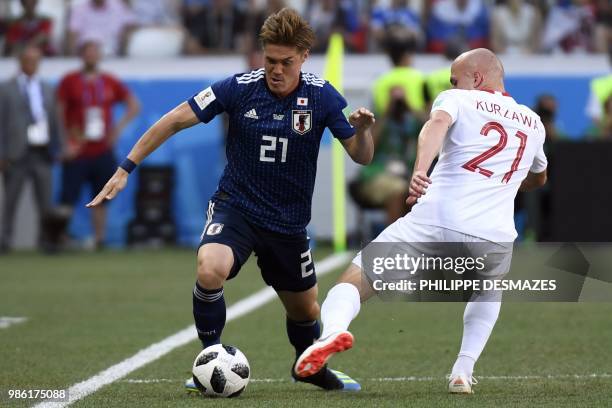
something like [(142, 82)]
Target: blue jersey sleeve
[(217, 98), (335, 119)]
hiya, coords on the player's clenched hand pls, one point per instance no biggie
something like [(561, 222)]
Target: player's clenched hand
[(112, 188), (361, 118), (418, 187)]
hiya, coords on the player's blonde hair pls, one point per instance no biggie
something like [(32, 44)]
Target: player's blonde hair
[(287, 27)]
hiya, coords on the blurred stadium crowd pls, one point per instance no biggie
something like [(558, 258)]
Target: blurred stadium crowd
[(196, 27)]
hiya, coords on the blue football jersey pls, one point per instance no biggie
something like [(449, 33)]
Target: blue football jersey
[(272, 145)]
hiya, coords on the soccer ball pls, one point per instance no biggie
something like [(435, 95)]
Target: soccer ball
[(221, 371)]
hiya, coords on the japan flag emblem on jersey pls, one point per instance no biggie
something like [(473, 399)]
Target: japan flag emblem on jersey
[(302, 121), (302, 101)]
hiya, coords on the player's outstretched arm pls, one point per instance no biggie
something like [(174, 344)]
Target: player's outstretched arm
[(177, 119), (533, 181), (430, 141), (361, 146)]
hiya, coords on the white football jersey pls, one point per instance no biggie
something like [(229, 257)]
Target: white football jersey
[(489, 149)]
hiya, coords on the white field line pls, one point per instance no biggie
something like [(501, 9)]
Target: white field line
[(7, 321), (500, 377), (155, 351), (405, 379)]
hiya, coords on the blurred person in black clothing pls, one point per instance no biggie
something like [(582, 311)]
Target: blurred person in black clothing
[(213, 28), (537, 205), (546, 107)]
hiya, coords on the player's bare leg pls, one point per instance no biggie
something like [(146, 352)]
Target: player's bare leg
[(215, 262), (301, 305), (340, 307)]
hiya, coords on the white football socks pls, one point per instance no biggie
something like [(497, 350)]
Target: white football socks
[(478, 321), (340, 307)]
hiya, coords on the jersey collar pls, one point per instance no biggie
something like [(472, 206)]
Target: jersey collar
[(294, 92), (494, 92)]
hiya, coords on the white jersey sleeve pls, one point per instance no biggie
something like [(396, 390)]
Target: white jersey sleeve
[(540, 163), (446, 101), (488, 151)]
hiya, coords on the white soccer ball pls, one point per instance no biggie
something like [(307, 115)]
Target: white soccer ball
[(221, 371)]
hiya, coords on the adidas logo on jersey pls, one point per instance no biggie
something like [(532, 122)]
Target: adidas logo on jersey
[(251, 114)]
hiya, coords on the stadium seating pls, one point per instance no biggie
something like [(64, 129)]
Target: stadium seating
[(156, 42)]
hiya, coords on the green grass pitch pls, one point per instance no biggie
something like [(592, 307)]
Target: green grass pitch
[(87, 312)]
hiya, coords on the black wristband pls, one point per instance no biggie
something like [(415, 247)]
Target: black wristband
[(127, 165)]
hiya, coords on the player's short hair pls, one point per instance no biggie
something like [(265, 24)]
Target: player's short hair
[(287, 27)]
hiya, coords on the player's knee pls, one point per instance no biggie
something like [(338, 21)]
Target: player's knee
[(211, 272), (213, 268), (354, 276)]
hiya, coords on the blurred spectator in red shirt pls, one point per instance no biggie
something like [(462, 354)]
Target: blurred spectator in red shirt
[(86, 98), (107, 22), (29, 29), (465, 20), (515, 27)]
